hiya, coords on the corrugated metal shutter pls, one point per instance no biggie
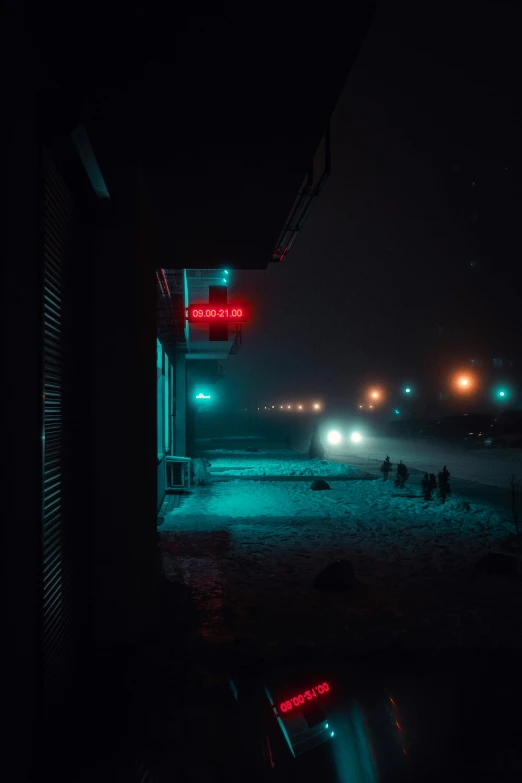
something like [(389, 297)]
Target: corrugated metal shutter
[(56, 565)]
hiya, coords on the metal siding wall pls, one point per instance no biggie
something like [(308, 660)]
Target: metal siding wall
[(56, 552)]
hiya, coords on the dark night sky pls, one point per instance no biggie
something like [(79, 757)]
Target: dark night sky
[(387, 251)]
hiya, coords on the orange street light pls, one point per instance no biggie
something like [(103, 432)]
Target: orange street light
[(464, 383)]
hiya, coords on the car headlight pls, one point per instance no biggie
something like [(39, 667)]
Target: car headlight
[(334, 437)]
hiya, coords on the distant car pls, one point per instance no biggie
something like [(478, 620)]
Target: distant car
[(506, 431), (472, 428), (410, 428)]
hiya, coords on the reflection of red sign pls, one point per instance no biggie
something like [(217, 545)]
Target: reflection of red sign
[(208, 313)]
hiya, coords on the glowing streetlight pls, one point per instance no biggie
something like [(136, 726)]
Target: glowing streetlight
[(289, 407), (370, 406), (502, 393), (281, 407), (316, 406), (300, 407), (375, 395), (356, 437), (465, 383), (407, 390)]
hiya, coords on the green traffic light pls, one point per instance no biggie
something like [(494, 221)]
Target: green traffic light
[(502, 394)]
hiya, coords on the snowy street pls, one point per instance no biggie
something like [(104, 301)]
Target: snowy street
[(491, 467), (250, 544)]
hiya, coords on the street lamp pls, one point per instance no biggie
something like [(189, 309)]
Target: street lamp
[(465, 383), (502, 393)]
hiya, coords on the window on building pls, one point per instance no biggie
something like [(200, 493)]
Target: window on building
[(160, 400), (166, 399)]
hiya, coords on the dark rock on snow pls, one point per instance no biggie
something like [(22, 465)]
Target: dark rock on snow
[(496, 563), (337, 576), (320, 484)]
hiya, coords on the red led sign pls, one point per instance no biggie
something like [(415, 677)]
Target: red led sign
[(206, 313), (300, 698)]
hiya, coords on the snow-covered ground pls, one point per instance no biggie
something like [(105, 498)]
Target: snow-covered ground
[(281, 462), (251, 549)]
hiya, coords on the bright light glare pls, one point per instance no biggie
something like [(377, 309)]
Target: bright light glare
[(332, 734), (288, 406), (300, 407), (407, 390), (375, 395), (225, 271), (502, 394), (356, 437), (334, 437), (316, 406), (465, 382), (370, 406), (326, 725), (281, 407)]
